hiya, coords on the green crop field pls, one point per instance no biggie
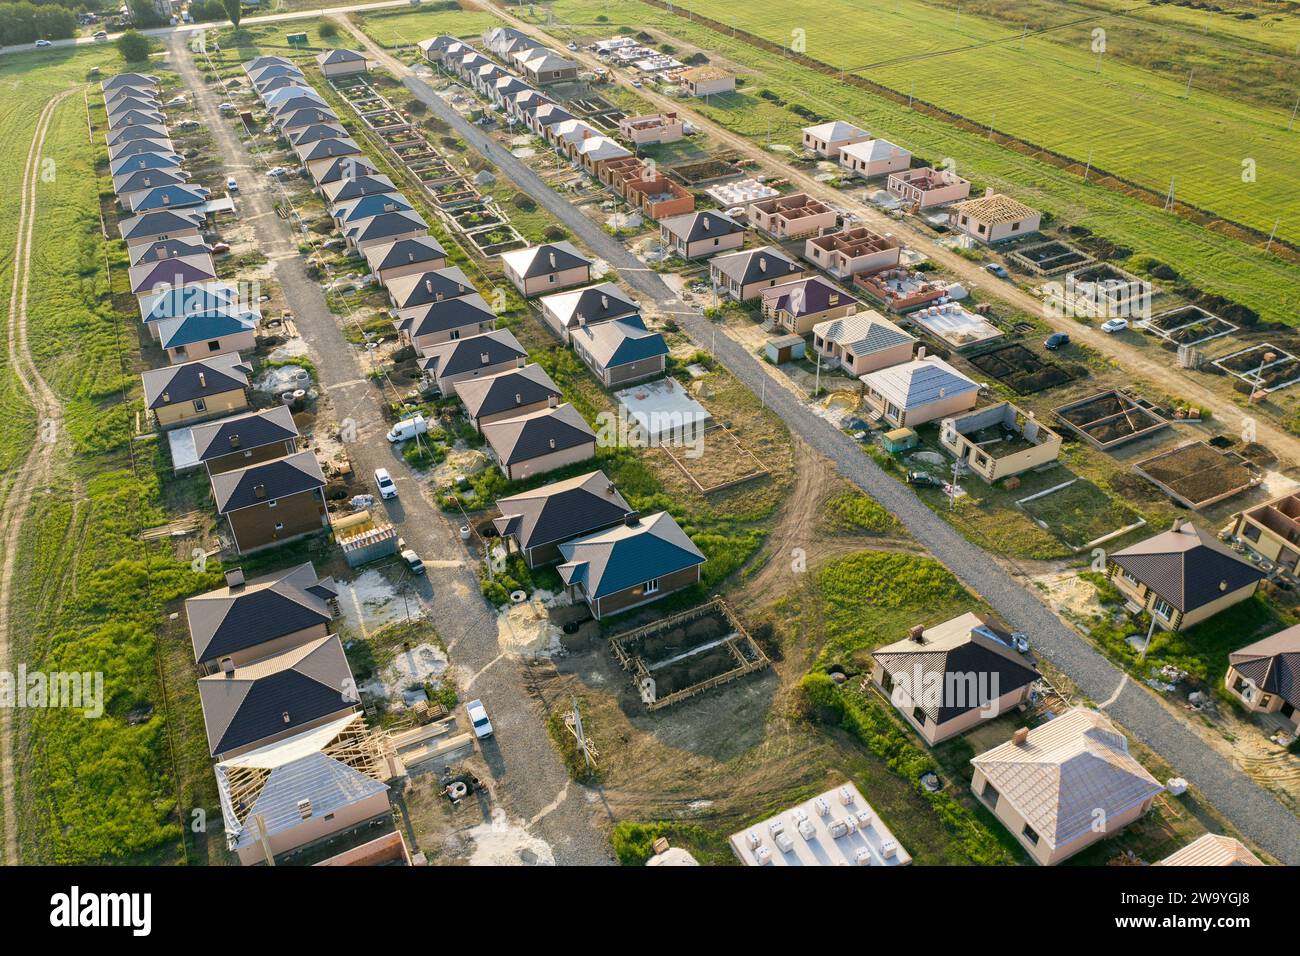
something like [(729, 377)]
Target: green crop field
[(406, 28), (1212, 261), (1139, 125)]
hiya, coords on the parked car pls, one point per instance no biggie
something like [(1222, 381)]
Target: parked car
[(1020, 641), (176, 100), (922, 479), (413, 561), (41, 44), (277, 171), (101, 37), (188, 124), (231, 184), (997, 270), (408, 428), (1056, 340), (227, 107), (479, 719), (1114, 325), (219, 247), (387, 487)]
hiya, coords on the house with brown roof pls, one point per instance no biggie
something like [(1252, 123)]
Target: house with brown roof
[(259, 703), (540, 66), (924, 187), (862, 342), (1265, 675), (1211, 849), (195, 391), (537, 522), (789, 217), (826, 139), (854, 251), (953, 676), (509, 394), (272, 502), (994, 218), (1062, 786), (799, 305), (1182, 576), (250, 620), (243, 440), (538, 442), (478, 356)]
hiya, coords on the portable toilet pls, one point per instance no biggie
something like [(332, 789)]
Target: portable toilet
[(900, 439)]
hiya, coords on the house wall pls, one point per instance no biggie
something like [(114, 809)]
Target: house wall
[(190, 232), (1145, 599), (430, 339), (448, 385), (214, 406), (857, 365), (780, 224), (920, 414), (258, 652), (254, 526), (999, 231), (715, 246), (549, 462), (1263, 703), (551, 282), (631, 372), (668, 132), (345, 69), (632, 597), (364, 244), (724, 84), (830, 148), (754, 289), (934, 733), (837, 263), (877, 167), (237, 342), (803, 324), (1041, 853), (251, 456), (925, 198), (1266, 542), (316, 828)]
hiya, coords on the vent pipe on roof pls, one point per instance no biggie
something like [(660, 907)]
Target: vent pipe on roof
[(1179, 523), (203, 380), (228, 666), (1021, 737), (633, 519), (235, 578), (917, 633)]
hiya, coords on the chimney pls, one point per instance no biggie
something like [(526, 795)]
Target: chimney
[(235, 578), (762, 264), (234, 440), (920, 352), (259, 491), (551, 442), (1179, 523), (1021, 737), (552, 257), (203, 379), (228, 666), (484, 357), (553, 401), (609, 488), (632, 520), (304, 808), (988, 191), (1223, 586), (285, 717), (428, 285), (604, 301), (917, 634)]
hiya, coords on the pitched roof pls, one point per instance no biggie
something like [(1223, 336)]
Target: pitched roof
[(513, 388), (753, 265), (995, 209), (599, 148), (873, 149), (834, 131), (231, 619), (275, 695), (367, 207), (202, 326), (443, 316), (548, 114), (1211, 849), (1187, 567), (1066, 771), (472, 352), (242, 432), (311, 116), (538, 433), (315, 132), (810, 296), (345, 167), (327, 149), (294, 770), (198, 379), (1273, 664), (561, 511), (356, 186), (627, 555), (152, 276), (262, 62), (919, 382), (332, 57), (257, 484), (145, 160), (386, 224), (421, 288), (862, 334), (135, 180), (593, 303), (701, 224), (184, 299), (167, 249), (159, 223), (950, 653), (621, 342), (408, 251), (135, 147), (544, 259)]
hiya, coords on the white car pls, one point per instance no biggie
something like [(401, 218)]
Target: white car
[(42, 44), (232, 184), (1114, 325), (479, 718), (277, 172), (387, 487), (101, 37), (176, 101), (226, 107)]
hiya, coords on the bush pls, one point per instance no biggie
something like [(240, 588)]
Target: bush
[(555, 233), (134, 46), (328, 29)]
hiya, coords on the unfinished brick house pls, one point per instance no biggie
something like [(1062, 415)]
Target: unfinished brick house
[(853, 251), (788, 217), (651, 128), (924, 187)]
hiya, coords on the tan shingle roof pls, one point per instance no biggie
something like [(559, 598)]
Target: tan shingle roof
[(1212, 850)]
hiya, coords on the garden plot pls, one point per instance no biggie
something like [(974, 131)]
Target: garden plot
[(1109, 419), (687, 654), (1188, 325), (1197, 475), (1050, 258), (1265, 367), (1020, 369), (1080, 514), (705, 171)]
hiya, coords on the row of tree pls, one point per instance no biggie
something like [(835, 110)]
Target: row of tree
[(27, 22)]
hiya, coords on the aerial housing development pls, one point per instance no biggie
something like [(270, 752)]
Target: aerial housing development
[(623, 433)]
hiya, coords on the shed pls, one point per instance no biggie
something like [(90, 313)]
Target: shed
[(785, 348), (899, 439)]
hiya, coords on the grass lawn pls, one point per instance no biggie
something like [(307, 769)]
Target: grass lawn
[(406, 28)]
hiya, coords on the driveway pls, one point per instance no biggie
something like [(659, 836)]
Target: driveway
[(1252, 809), (528, 779)]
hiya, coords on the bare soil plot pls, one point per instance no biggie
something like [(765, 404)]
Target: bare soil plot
[(1198, 475), (704, 171), (1081, 514), (1019, 368), (1109, 419), (1264, 366), (687, 654), (720, 462), (1188, 325), (1050, 258)]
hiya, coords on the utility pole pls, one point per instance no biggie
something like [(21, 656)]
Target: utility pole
[(1087, 169), (1269, 244), (1291, 122)]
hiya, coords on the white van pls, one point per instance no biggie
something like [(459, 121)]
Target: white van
[(408, 428)]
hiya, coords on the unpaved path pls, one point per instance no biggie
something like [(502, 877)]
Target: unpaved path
[(37, 468)]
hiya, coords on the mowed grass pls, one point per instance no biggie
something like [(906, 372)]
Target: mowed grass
[(403, 28), (1138, 125), (1213, 262)]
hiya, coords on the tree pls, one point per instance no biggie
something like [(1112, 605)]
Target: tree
[(143, 14), (234, 10), (134, 46)]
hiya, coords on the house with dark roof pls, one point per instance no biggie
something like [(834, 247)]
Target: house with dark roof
[(537, 522), (445, 320), (546, 268), (166, 249), (744, 275), (538, 442), (545, 116), (150, 277), (422, 288), (314, 132), (861, 343), (255, 704), (384, 228), (346, 166), (188, 299), (148, 160), (140, 181), (272, 502), (140, 147), (293, 120), (195, 391), (948, 678), (201, 334), (364, 207), (365, 185), (475, 357), (566, 311), (509, 394), (141, 81), (320, 155), (1060, 787), (633, 563), (250, 620), (135, 124), (243, 440), (288, 101), (621, 352), (1265, 675), (404, 257), (799, 305), (694, 235), (152, 226), (1182, 576), (334, 63)]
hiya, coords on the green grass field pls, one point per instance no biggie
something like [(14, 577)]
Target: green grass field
[(406, 28)]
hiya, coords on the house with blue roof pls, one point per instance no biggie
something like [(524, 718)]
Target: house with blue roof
[(206, 333), (186, 300), (621, 352)]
